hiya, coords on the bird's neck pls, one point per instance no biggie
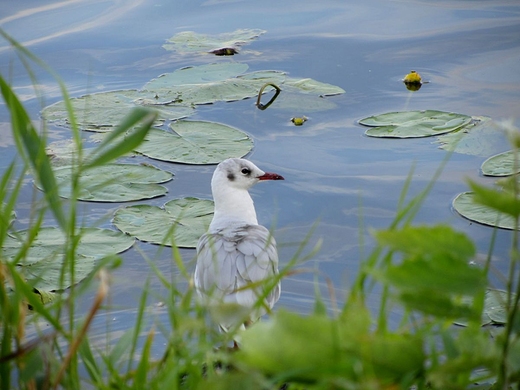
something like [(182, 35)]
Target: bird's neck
[(232, 206)]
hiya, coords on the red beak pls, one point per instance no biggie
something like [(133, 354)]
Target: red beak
[(270, 176)]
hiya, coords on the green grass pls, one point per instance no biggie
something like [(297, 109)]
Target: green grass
[(424, 271)]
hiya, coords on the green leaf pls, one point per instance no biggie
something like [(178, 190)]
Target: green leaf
[(28, 140), (114, 182), (467, 206), (437, 303), (413, 124), (190, 42), (110, 149), (430, 241), (210, 83), (205, 84), (181, 221), (495, 308), (316, 348), (435, 271), (502, 164), (495, 305), (312, 86), (196, 142), (503, 201), (106, 110), (441, 274)]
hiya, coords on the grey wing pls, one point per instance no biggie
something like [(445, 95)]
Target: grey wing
[(258, 262), (231, 259)]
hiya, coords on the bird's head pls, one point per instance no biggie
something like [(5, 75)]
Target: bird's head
[(241, 174)]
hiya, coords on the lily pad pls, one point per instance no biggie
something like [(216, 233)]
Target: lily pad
[(44, 261), (495, 308), (479, 138), (103, 111), (186, 218), (465, 206), (414, 124), (114, 182), (502, 164), (210, 83), (191, 42), (196, 142), (227, 82), (312, 86)]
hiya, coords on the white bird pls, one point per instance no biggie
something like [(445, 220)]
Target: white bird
[(237, 254)]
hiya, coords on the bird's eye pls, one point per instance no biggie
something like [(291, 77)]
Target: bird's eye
[(246, 171)]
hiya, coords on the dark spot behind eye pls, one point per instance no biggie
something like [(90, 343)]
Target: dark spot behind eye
[(230, 176)]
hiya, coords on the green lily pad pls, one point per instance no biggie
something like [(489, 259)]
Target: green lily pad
[(465, 206), (479, 138), (206, 84), (502, 164), (312, 86), (196, 142), (103, 111), (191, 42), (114, 182), (227, 82), (414, 124), (495, 308), (44, 261), (186, 218)]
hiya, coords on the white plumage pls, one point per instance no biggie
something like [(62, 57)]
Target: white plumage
[(236, 253)]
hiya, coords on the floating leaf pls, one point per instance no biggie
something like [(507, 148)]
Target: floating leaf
[(114, 182), (465, 205), (103, 111), (196, 142), (43, 264), (495, 308), (210, 83), (502, 164), (189, 41), (413, 124), (187, 218), (312, 86), (479, 138), (190, 75)]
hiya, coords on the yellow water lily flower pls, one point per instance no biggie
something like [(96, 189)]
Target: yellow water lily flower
[(299, 121), (412, 78)]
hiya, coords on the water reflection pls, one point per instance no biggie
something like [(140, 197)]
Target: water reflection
[(74, 16)]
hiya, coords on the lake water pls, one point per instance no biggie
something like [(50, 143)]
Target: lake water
[(335, 175)]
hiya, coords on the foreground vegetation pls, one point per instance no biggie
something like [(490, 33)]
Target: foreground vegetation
[(424, 272)]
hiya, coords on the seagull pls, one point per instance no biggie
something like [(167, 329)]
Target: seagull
[(237, 255)]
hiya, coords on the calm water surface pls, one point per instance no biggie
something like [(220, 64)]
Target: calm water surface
[(335, 176)]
